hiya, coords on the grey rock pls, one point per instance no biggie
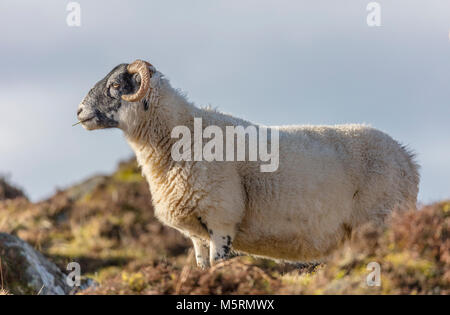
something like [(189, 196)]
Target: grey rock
[(28, 270)]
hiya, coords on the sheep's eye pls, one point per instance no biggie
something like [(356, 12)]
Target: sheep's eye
[(116, 85)]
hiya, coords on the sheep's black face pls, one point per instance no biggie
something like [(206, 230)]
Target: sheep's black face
[(103, 106)]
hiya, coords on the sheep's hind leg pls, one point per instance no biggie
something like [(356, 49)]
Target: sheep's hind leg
[(201, 252)]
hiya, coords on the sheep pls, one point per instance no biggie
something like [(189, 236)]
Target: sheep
[(330, 179)]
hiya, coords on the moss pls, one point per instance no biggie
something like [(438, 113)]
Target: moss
[(12, 272), (387, 286), (341, 274), (128, 174), (86, 197), (411, 264), (446, 208), (135, 281)]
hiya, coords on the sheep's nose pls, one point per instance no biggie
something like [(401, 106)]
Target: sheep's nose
[(79, 111)]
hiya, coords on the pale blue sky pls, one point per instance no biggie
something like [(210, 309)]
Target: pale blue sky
[(273, 62)]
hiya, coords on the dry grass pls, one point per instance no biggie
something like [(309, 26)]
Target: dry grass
[(4, 292), (2, 283)]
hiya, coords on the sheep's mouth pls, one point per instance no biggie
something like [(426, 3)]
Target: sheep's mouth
[(98, 120)]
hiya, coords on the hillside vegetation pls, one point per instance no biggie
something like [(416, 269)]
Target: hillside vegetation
[(107, 225)]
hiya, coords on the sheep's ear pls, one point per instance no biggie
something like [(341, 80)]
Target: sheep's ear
[(134, 82), (136, 79)]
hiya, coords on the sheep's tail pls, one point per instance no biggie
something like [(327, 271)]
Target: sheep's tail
[(411, 177)]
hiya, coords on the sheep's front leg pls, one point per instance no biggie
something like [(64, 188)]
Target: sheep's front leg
[(220, 245), (201, 252)]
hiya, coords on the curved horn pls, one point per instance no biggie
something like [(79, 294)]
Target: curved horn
[(141, 67)]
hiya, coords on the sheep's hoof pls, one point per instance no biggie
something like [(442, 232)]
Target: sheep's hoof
[(203, 266)]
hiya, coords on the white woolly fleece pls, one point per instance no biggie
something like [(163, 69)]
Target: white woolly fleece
[(330, 180)]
